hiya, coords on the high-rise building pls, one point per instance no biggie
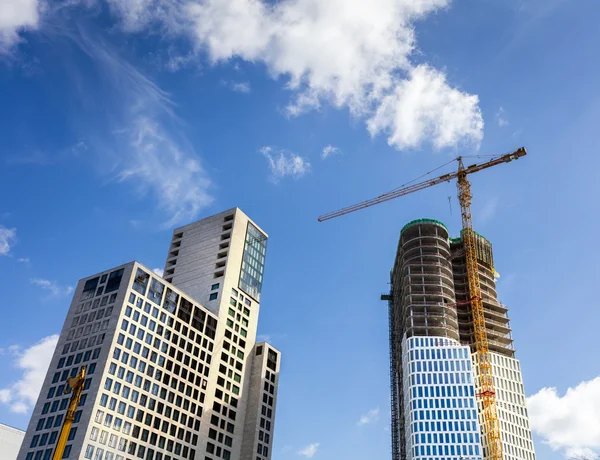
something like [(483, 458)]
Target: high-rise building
[(173, 370), (435, 410)]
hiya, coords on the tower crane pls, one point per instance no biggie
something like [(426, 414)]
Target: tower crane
[(76, 384), (487, 393)]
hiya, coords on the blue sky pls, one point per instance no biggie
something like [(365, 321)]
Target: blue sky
[(122, 119)]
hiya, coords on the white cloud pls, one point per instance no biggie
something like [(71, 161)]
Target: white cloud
[(55, 289), (329, 150), (8, 237), (241, 87), (570, 422), (310, 450), (370, 417), (33, 364), (24, 260), (16, 16), (159, 271), (285, 163), (349, 53), (424, 107), (135, 14), (501, 118), (576, 453)]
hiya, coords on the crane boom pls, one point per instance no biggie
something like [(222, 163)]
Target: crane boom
[(487, 391), (422, 185), (76, 384)]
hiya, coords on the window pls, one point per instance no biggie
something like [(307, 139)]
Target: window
[(214, 287), (89, 289), (67, 451), (213, 296), (114, 280), (140, 283), (171, 300), (155, 293)]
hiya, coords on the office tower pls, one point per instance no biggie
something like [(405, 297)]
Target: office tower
[(433, 368), (173, 371)]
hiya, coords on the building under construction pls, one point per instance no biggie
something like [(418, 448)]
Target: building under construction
[(437, 410)]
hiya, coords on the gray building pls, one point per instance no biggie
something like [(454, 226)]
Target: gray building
[(173, 368), (10, 442)]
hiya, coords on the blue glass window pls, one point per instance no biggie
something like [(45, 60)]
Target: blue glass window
[(253, 262)]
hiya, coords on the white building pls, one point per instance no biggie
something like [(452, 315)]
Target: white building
[(10, 442), (173, 369), (515, 432)]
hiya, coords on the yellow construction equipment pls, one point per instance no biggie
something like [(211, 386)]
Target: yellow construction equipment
[(487, 394), (76, 385)]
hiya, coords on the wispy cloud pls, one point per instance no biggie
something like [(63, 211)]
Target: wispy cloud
[(159, 271), (80, 148), (33, 363), (241, 87), (55, 289), (310, 450), (8, 237), (570, 422), (133, 127), (283, 163), (370, 417), (24, 260), (501, 118), (328, 151), (144, 140)]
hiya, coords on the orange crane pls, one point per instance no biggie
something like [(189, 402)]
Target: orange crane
[(487, 394), (76, 384)]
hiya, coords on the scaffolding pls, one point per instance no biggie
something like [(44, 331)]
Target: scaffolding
[(397, 414)]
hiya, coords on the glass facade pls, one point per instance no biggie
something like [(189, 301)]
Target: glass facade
[(253, 262), (440, 407)]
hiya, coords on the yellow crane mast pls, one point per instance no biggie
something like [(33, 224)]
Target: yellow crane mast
[(486, 381), (76, 385)]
